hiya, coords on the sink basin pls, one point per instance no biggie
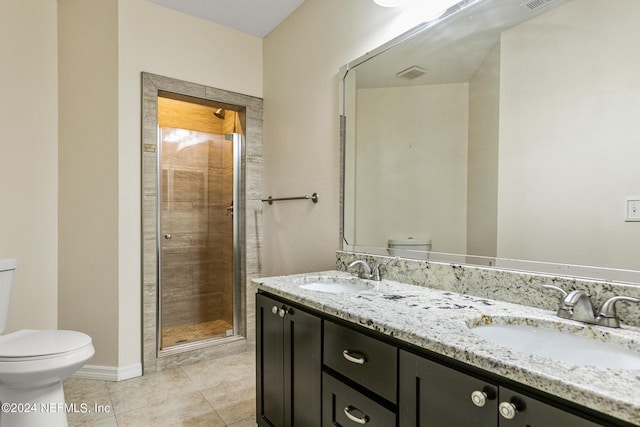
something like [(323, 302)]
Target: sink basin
[(558, 345), (336, 286)]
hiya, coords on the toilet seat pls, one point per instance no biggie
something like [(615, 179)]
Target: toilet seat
[(29, 344)]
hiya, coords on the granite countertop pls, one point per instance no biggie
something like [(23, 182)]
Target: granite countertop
[(439, 321)]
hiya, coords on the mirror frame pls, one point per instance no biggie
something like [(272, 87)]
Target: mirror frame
[(625, 276)]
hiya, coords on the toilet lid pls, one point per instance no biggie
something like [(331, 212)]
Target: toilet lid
[(34, 343)]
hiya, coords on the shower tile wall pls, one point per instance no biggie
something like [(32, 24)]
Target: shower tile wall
[(197, 264), (250, 243)]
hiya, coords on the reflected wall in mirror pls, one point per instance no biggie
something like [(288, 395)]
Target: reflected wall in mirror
[(503, 130)]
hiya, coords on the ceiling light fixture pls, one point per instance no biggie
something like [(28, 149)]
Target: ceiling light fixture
[(388, 3)]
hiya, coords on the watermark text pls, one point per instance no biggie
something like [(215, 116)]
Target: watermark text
[(54, 407)]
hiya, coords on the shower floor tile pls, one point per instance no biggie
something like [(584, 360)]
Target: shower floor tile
[(193, 333), (201, 394)]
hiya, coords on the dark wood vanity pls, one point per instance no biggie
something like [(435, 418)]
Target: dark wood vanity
[(317, 370)]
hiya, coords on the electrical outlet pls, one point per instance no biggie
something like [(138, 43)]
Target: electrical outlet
[(633, 209)]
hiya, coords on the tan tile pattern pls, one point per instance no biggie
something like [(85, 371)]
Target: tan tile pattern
[(219, 392), (197, 262)]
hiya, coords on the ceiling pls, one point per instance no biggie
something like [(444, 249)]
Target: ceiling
[(256, 17), (450, 52)]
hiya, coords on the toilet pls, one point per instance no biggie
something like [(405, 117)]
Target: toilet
[(33, 364), (410, 248)]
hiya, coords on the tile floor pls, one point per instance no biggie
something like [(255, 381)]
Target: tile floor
[(219, 392)]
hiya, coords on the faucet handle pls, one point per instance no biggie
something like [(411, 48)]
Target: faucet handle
[(608, 315), (377, 273), (556, 288)]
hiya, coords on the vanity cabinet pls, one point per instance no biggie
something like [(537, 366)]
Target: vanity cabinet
[(432, 394), (359, 385), (314, 369), (288, 365)]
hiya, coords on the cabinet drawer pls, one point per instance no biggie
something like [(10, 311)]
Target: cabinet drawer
[(342, 406), (365, 360)]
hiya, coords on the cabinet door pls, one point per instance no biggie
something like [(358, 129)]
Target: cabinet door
[(302, 369), (269, 363), (437, 396), (288, 365), (528, 412)]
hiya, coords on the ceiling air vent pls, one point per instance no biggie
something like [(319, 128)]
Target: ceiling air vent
[(532, 5), (411, 73)]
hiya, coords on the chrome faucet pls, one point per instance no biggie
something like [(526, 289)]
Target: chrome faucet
[(576, 305), (366, 271)]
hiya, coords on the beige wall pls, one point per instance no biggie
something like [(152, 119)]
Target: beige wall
[(482, 197), (302, 58), (100, 230), (570, 177), (29, 158), (88, 226), (412, 128)]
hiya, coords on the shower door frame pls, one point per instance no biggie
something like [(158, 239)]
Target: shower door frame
[(238, 147), (250, 221)]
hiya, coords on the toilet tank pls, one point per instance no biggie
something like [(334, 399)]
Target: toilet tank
[(410, 248), (7, 269)]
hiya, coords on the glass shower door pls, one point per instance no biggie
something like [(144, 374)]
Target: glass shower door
[(198, 183)]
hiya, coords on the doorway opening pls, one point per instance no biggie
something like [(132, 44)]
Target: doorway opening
[(200, 145), (246, 128)]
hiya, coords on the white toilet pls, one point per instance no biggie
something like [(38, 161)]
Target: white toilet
[(33, 364), (410, 248)]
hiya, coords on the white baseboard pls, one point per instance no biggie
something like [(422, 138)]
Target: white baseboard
[(108, 373)]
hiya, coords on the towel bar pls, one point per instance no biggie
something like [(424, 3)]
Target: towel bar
[(313, 197)]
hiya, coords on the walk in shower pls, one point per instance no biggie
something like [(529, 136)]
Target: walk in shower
[(189, 313), (199, 155)]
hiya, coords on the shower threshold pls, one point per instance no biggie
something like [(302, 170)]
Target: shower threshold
[(184, 335)]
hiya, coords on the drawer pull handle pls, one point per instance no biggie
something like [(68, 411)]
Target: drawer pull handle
[(356, 358), (360, 420)]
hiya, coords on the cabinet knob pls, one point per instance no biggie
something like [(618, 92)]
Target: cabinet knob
[(274, 309), (479, 398), (284, 311), (508, 410)]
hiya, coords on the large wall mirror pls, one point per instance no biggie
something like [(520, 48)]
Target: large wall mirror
[(507, 132)]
